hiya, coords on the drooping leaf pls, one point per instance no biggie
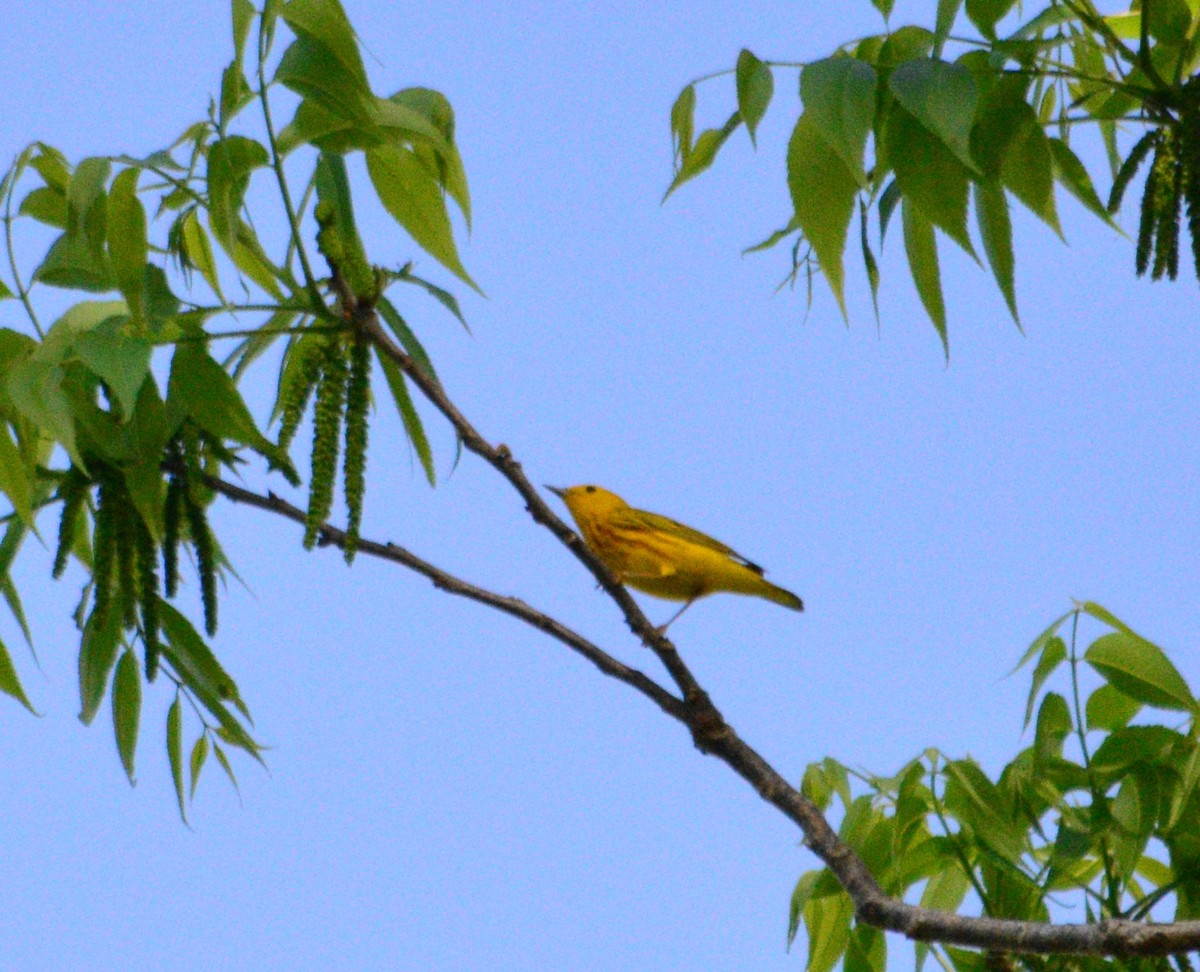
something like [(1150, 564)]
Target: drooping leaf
[(127, 710), (97, 655), (942, 97), (839, 99), (1070, 172), (15, 475), (947, 11), (755, 86), (930, 176), (194, 660), (10, 682), (683, 122), (995, 229), (196, 763), (920, 246), (408, 414), (823, 190), (984, 14), (411, 195), (198, 251), (175, 752), (120, 359), (703, 152), (204, 391), (827, 921), (231, 162), (441, 157)]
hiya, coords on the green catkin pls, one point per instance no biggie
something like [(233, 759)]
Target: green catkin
[(354, 469), (1149, 217), (173, 509), (147, 561), (1133, 162), (126, 519), (1166, 207), (1189, 153), (297, 388), (327, 427), (73, 492), (104, 552), (206, 561)]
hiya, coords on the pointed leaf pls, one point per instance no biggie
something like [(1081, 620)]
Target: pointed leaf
[(408, 414), (193, 660), (175, 752), (1053, 655), (198, 251), (947, 11), (823, 190), (225, 765), (1140, 670), (921, 248), (196, 764), (97, 655), (703, 152), (14, 477), (411, 194), (827, 921), (984, 14), (942, 97), (10, 683), (839, 98), (1109, 709), (683, 122), (119, 359), (127, 710), (995, 228), (1071, 173), (755, 86), (203, 390)]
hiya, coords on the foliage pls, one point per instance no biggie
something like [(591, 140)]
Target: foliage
[(939, 123), (1099, 815), (89, 429)]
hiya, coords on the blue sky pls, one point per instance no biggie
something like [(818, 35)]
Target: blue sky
[(447, 788)]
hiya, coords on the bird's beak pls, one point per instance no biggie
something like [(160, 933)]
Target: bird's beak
[(561, 493)]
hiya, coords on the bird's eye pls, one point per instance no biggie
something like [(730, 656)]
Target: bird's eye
[(590, 489)]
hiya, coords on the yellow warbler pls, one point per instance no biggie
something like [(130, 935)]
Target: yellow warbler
[(661, 557)]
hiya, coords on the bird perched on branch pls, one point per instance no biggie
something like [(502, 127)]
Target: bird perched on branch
[(654, 554)]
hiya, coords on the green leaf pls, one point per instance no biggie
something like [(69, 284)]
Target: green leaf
[(97, 655), (1168, 20), (119, 359), (921, 248), (46, 205), (1010, 145), (947, 11), (984, 14), (1071, 173), (703, 152), (441, 157), (1040, 642), (333, 186), (198, 250), (196, 764), (85, 199), (326, 23), (405, 336), (978, 803), (175, 752), (1109, 709), (411, 194), (929, 175), (193, 660), (884, 6), (127, 710), (866, 950), (231, 162), (683, 122), (36, 389), (313, 70), (443, 297), (800, 897), (869, 261), (827, 921), (225, 765), (1141, 670), (10, 683), (995, 229), (73, 264), (839, 99), (14, 476), (755, 86), (1053, 655), (823, 190), (942, 97), (1053, 726), (408, 414), (203, 390), (127, 246), (946, 890)]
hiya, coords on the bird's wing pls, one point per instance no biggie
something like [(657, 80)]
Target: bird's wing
[(632, 519)]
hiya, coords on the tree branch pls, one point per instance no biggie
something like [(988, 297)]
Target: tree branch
[(330, 536), (714, 736)]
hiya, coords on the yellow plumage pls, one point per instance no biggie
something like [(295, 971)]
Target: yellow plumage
[(659, 556)]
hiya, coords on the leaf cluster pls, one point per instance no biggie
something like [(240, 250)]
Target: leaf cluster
[(941, 125), (117, 415), (1099, 814)]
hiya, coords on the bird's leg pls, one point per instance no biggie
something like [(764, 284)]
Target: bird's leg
[(675, 617)]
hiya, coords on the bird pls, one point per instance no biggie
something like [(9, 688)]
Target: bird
[(659, 556)]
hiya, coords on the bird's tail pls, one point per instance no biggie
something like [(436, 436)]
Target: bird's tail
[(773, 592)]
